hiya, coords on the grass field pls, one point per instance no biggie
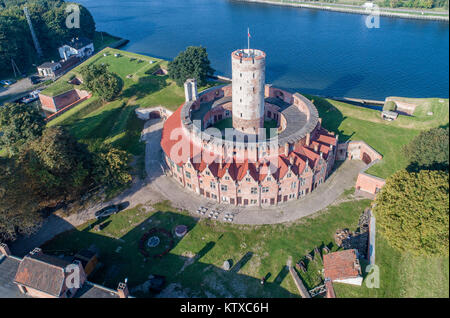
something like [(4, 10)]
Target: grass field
[(95, 122), (359, 123), (195, 262)]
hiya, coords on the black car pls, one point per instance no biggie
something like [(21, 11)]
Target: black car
[(111, 209), (34, 79)]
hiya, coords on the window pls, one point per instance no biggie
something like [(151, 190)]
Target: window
[(247, 179), (293, 185), (207, 173), (269, 179), (302, 181), (265, 189), (189, 185), (289, 175), (212, 184), (253, 201), (254, 190), (213, 196), (227, 113), (189, 165), (291, 196), (178, 169), (188, 175), (240, 88), (224, 199), (240, 74), (227, 178), (241, 116), (223, 187)]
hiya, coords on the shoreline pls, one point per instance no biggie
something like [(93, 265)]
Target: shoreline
[(353, 10)]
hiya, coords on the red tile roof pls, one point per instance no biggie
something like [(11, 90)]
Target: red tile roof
[(200, 158), (341, 265), (44, 273)]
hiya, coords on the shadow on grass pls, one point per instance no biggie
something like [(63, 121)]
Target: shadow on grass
[(119, 253), (145, 86)]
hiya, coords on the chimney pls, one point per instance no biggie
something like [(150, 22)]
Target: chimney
[(4, 249), (308, 139), (291, 160), (122, 290)]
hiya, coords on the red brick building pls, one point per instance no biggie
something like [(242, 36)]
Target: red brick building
[(246, 167)]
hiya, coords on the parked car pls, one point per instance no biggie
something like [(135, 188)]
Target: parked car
[(7, 82), (34, 79), (111, 209)]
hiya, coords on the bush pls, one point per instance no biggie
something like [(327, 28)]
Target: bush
[(390, 106), (412, 212)]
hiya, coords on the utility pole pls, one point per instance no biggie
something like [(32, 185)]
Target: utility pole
[(15, 68), (33, 35)]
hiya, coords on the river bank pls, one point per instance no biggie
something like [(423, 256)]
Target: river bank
[(356, 9)]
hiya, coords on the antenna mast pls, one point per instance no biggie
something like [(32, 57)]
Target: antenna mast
[(33, 35)]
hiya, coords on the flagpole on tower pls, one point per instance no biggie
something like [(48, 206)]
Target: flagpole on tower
[(248, 40)]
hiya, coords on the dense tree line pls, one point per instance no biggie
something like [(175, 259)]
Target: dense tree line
[(49, 22), (421, 4), (47, 167)]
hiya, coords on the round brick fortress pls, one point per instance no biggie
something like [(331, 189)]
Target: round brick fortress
[(244, 167)]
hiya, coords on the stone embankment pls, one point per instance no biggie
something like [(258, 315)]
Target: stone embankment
[(359, 10)]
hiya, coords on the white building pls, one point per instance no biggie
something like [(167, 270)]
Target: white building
[(81, 47), (48, 69)]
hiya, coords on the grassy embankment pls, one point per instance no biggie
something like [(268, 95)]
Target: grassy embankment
[(195, 263), (359, 123), (115, 122)]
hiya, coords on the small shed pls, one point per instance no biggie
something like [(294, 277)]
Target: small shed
[(343, 267), (88, 259)]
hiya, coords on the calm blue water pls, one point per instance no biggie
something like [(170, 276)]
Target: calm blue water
[(311, 51)]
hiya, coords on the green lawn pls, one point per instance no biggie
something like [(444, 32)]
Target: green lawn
[(359, 123), (92, 121), (196, 260)]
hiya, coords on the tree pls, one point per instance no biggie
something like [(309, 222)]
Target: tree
[(429, 150), (192, 63), (57, 165), (19, 206), (111, 166), (20, 123), (49, 22), (99, 80), (412, 211)]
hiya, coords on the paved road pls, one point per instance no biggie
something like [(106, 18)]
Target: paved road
[(158, 186)]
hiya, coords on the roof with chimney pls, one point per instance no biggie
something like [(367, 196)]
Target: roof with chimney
[(11, 267), (341, 265), (42, 272)]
